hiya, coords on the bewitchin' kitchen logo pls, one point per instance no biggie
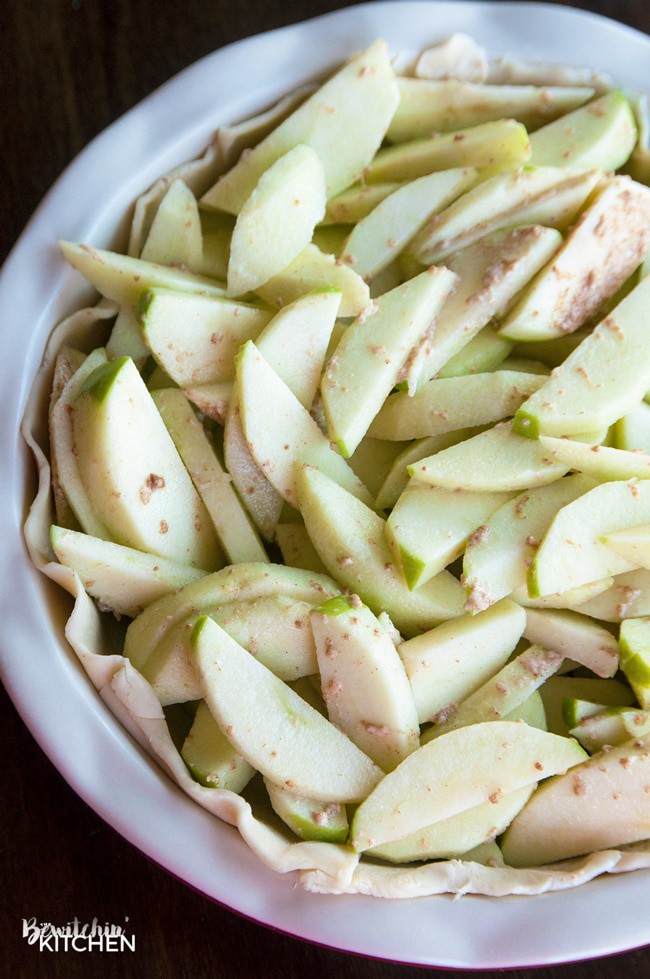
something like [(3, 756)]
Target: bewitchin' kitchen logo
[(77, 937)]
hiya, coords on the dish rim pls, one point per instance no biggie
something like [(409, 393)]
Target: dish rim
[(351, 921)]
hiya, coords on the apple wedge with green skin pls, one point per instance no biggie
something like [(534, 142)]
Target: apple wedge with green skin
[(118, 577), (572, 552), (195, 338), (612, 726), (601, 251), (600, 381), (447, 664), (231, 522), (516, 463), (380, 236), (576, 636), (601, 134), (64, 461), (344, 122), (492, 272), (531, 712), (626, 598), (601, 462), (496, 561), (454, 837), (371, 354), (277, 732), (350, 540), (357, 202), (364, 682), (235, 583), (502, 694), (132, 473), (573, 599), (313, 269), (632, 431), (599, 805), (456, 772), (216, 231), (430, 526), (126, 338), (175, 237), (634, 641), (445, 404), (310, 820), (559, 691), (550, 196), (211, 758), (295, 436), (503, 143), (428, 106), (486, 351), (296, 547), (372, 459), (277, 221), (123, 278), (212, 400), (631, 543)]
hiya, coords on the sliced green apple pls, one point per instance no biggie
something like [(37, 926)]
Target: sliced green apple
[(397, 477), (296, 547), (601, 380), (612, 726), (276, 731), (632, 431), (211, 758), (631, 543), (600, 134), (310, 820), (634, 641), (601, 462), (447, 664), (175, 236), (559, 691), (575, 636), (212, 400), (277, 221), (456, 772), (627, 598), (357, 202), (350, 540), (132, 472), (368, 361), (313, 269), (486, 351)]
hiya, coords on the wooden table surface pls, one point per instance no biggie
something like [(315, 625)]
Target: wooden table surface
[(67, 69)]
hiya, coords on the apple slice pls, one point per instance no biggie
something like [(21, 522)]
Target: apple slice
[(611, 726), (211, 758), (631, 543), (601, 462), (598, 805), (313, 269), (126, 338), (212, 400), (559, 691), (277, 221), (378, 238), (310, 820), (65, 464), (296, 547), (503, 143), (276, 731), (447, 664), (350, 540), (531, 712), (120, 578), (443, 106), (486, 351), (368, 361), (600, 134), (572, 552), (501, 694), (456, 772), (626, 598), (575, 636), (132, 472), (515, 463), (363, 681), (455, 836), (195, 338), (445, 404), (357, 202), (550, 196), (634, 641), (175, 236), (236, 583), (492, 271), (601, 251), (600, 381), (213, 484), (67, 362), (344, 122), (632, 431), (294, 436), (496, 561), (123, 278), (429, 527)]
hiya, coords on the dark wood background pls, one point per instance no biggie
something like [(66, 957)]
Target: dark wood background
[(67, 69)]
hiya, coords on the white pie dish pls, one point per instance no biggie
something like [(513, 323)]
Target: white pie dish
[(73, 726)]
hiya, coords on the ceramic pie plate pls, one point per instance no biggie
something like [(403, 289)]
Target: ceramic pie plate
[(55, 698)]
